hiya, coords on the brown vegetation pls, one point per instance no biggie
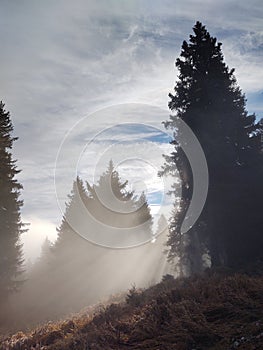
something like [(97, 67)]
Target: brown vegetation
[(218, 310)]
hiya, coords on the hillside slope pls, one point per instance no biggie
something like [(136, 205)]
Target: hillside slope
[(214, 311)]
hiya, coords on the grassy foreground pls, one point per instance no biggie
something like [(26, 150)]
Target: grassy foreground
[(218, 310)]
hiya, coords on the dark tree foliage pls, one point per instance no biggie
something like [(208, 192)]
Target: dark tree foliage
[(207, 97), (11, 227)]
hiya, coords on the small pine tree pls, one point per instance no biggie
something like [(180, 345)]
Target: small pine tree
[(162, 225), (11, 226), (70, 227), (143, 217), (46, 249)]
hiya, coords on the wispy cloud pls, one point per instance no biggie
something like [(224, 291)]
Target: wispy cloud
[(64, 60)]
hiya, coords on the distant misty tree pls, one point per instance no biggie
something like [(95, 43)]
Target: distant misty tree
[(144, 219), (113, 202), (40, 267), (207, 97), (88, 213), (46, 252), (66, 233), (11, 226), (117, 207), (162, 225)]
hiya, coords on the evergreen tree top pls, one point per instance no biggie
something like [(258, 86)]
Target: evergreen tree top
[(202, 70), (207, 97), (11, 255), (110, 181), (6, 128), (201, 51)]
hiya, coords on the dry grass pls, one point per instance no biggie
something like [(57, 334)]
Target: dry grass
[(216, 311)]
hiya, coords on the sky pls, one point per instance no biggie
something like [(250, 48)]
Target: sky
[(65, 65)]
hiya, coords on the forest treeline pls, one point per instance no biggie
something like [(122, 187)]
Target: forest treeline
[(229, 231)]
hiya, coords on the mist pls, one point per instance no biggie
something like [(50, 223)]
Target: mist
[(107, 243), (52, 294)]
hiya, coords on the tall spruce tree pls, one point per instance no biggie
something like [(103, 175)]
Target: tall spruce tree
[(209, 100), (11, 226)]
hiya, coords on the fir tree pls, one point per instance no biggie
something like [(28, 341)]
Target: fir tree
[(144, 219), (71, 225), (46, 250), (116, 206), (113, 202), (162, 225), (209, 100), (11, 226), (105, 207)]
